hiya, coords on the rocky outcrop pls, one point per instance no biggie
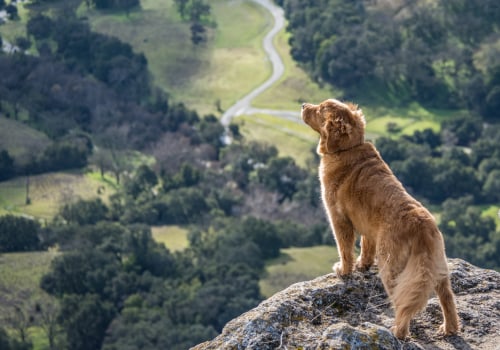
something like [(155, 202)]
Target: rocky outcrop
[(354, 313)]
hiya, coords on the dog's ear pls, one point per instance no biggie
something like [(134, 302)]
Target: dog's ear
[(358, 113), (336, 129)]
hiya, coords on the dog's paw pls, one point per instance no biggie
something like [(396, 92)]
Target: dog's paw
[(446, 330), (400, 333), (341, 270), (362, 266)]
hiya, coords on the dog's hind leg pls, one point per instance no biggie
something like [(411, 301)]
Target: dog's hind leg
[(450, 323)]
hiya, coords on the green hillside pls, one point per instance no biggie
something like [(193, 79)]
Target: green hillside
[(296, 265), (166, 232), (49, 192), (20, 140)]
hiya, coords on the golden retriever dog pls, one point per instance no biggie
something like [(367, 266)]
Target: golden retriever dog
[(361, 194)]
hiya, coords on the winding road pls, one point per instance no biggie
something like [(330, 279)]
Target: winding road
[(244, 105)]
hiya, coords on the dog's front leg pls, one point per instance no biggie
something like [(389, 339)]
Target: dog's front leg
[(344, 238), (367, 256)]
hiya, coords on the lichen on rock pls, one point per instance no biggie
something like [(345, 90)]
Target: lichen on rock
[(355, 313)]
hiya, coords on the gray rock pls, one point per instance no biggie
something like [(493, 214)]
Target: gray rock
[(354, 313)]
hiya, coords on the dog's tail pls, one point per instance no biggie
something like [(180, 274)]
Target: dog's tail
[(425, 268)]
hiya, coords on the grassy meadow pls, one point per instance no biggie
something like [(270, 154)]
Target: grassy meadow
[(23, 271), (290, 138), (20, 275), (223, 69), (296, 265), (48, 192), (20, 140), (173, 237)]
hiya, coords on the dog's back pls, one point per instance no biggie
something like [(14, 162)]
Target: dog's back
[(363, 188)]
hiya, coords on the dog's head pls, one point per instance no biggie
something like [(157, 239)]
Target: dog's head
[(341, 126)]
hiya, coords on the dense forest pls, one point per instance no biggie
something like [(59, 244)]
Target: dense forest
[(441, 53), (113, 286)]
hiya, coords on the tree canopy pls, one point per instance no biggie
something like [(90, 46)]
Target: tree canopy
[(434, 53)]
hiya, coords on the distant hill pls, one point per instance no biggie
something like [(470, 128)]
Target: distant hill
[(440, 53)]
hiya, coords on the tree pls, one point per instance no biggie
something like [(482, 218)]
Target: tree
[(144, 254), (87, 271), (18, 314), (264, 234), (143, 181), (18, 234), (466, 129), (22, 43), (85, 319), (47, 311), (453, 180), (491, 187), (127, 5), (197, 12), (7, 169), (40, 27), (468, 235), (198, 33), (84, 212), (12, 11), (8, 343), (281, 175)]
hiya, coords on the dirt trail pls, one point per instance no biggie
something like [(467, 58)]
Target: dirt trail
[(244, 105)]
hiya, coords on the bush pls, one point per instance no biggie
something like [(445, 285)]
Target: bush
[(18, 234), (84, 212)]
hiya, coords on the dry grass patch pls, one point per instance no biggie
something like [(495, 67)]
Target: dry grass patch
[(49, 192), (292, 139), (173, 237), (296, 265)]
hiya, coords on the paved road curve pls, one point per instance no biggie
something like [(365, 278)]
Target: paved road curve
[(243, 106)]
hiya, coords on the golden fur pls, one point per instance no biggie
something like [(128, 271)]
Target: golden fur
[(361, 194)]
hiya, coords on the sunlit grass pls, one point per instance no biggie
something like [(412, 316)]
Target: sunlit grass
[(173, 237), (409, 119), (292, 139), (223, 69), (24, 270), (295, 87), (493, 212), (296, 265), (16, 28), (20, 140), (20, 274), (49, 192)]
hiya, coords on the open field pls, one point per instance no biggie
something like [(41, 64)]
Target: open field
[(24, 270), (224, 68), (48, 192), (20, 275), (290, 138), (20, 140), (295, 265), (173, 237)]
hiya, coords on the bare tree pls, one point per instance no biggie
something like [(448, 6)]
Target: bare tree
[(17, 313), (47, 310), (172, 150)]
